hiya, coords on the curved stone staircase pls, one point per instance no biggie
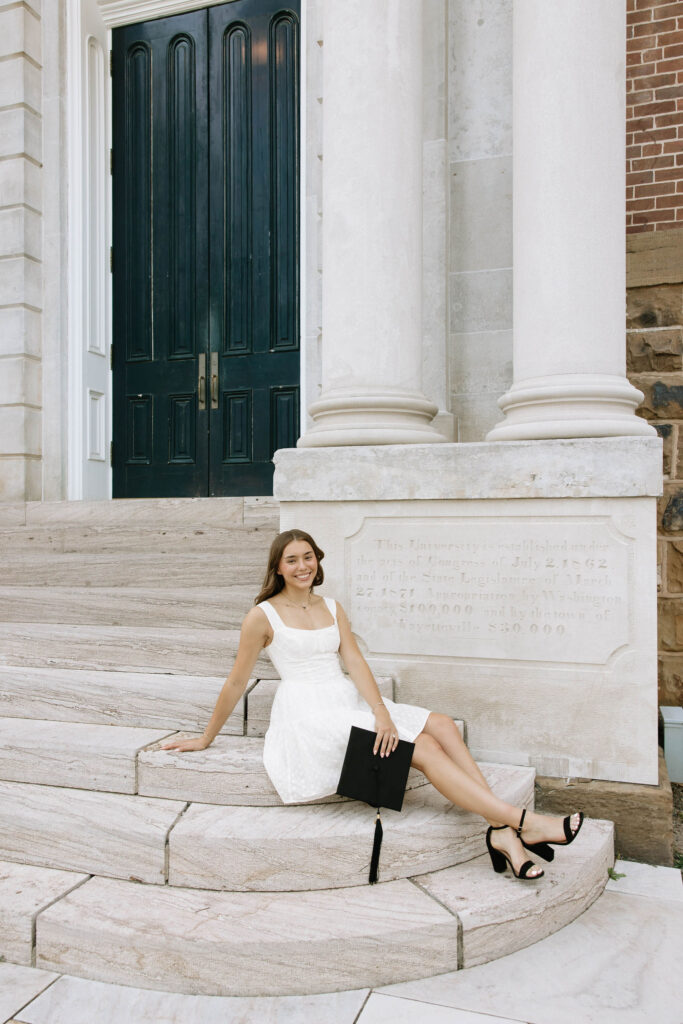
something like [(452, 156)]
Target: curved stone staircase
[(123, 862)]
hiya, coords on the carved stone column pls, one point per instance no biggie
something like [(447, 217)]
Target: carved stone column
[(569, 225), (372, 228)]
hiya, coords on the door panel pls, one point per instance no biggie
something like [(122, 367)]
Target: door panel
[(254, 327), (160, 126), (205, 249)]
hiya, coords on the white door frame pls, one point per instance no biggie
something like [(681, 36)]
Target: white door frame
[(89, 120)]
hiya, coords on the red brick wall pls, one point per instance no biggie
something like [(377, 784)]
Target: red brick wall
[(654, 115)]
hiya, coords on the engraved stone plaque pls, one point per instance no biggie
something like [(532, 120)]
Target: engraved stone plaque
[(523, 588)]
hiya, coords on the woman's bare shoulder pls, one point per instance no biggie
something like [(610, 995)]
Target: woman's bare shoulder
[(255, 620)]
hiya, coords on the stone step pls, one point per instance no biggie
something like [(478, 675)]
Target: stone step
[(154, 512), (25, 890), (135, 569), (500, 914), (230, 772), (278, 849), (191, 607), (73, 754), (77, 830), (143, 700), (292, 943), (123, 648), (42, 541), (191, 940)]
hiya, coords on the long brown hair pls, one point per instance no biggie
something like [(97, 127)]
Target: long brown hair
[(273, 582)]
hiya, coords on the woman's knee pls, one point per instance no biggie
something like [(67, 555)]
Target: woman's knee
[(427, 747), (438, 725)]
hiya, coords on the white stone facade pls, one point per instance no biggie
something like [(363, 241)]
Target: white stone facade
[(410, 116)]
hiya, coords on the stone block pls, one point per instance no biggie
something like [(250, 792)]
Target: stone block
[(669, 435), (498, 917), (20, 278), (20, 381), (20, 478), (188, 940), (327, 845), (25, 890), (642, 815), (20, 33), (670, 621), (479, 77), (663, 397), (654, 306), (481, 608), (481, 301), (76, 755), (654, 351), (670, 508), (20, 430), (20, 82), (671, 680), (19, 328), (674, 567), (481, 214), (20, 232), (121, 698), (475, 415), (78, 830), (481, 362), (20, 133)]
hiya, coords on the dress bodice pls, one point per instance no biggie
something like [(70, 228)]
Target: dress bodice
[(307, 655)]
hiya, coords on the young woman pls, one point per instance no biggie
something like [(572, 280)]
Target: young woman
[(316, 704)]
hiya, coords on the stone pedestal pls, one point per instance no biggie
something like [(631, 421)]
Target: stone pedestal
[(512, 585)]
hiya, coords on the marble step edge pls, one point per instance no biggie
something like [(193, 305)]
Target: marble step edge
[(193, 606), (138, 511), (159, 700), (161, 650), (124, 933), (175, 702), (305, 847)]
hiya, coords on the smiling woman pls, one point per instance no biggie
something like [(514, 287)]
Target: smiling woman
[(316, 705)]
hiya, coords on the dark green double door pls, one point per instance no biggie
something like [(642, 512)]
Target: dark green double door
[(205, 250)]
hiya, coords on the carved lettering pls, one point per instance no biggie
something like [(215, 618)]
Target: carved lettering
[(538, 590)]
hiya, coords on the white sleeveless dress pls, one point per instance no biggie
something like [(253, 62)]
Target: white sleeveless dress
[(314, 708)]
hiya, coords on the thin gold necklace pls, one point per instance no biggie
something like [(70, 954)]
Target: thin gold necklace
[(303, 607)]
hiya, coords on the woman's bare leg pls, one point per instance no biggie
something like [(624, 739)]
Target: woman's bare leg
[(446, 733), (470, 791), (459, 786)]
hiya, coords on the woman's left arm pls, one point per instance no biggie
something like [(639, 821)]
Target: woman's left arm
[(359, 671)]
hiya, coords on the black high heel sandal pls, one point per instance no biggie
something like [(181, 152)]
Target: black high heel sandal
[(545, 849), (500, 860)]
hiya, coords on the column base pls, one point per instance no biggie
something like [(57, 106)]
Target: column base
[(570, 405), (400, 417)]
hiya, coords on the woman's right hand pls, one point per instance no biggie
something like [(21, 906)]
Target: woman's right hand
[(198, 743)]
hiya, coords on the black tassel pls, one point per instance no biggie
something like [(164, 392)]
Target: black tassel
[(376, 846)]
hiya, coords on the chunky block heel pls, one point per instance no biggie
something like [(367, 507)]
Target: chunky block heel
[(500, 860)]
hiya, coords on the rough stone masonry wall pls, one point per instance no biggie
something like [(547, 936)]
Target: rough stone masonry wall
[(655, 365), (654, 115)]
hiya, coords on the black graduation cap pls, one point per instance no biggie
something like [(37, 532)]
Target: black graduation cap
[(379, 781)]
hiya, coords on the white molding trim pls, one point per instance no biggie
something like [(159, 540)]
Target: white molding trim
[(127, 12), (75, 411)]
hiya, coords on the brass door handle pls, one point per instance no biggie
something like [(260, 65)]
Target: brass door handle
[(201, 383), (214, 380)]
